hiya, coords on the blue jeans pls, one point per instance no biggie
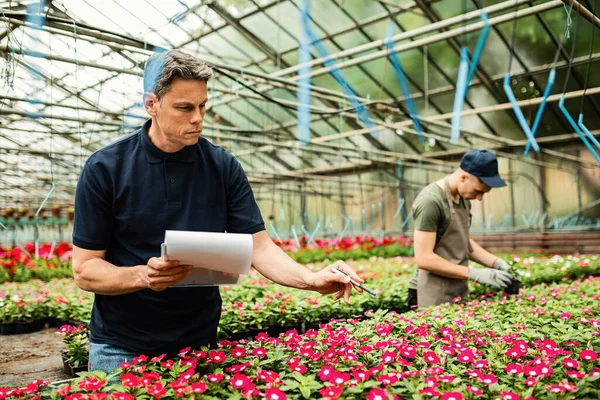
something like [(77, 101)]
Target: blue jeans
[(107, 357)]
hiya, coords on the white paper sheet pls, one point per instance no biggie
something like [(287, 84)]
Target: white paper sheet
[(224, 252)]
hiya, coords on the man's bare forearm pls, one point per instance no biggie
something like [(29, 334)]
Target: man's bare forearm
[(440, 266), (101, 277), (481, 255)]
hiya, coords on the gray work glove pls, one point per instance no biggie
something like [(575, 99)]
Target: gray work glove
[(491, 277), (502, 265)]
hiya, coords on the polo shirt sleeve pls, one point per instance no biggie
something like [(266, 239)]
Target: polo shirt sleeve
[(93, 220), (243, 214)]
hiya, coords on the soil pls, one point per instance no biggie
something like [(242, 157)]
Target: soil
[(27, 357)]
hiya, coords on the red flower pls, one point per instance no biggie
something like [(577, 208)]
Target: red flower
[(452, 396), (240, 381), (91, 384), (431, 357), (122, 396), (300, 368), (97, 396), (215, 377), (447, 378), (331, 392), (216, 356), (376, 394), (588, 355), (130, 380), (326, 372), (140, 359), (75, 396), (361, 376), (157, 390), (238, 352), (64, 390), (196, 387), (274, 394), (158, 358)]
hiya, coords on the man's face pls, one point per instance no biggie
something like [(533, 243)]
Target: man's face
[(180, 112), (471, 187)]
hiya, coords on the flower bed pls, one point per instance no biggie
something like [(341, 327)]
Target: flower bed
[(17, 265), (258, 304), (539, 345)]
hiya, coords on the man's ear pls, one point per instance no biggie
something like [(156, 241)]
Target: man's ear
[(150, 103)]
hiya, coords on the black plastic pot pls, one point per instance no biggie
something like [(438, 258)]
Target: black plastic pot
[(8, 328), (513, 288), (28, 326), (69, 369)]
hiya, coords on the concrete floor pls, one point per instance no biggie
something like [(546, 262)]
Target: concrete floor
[(27, 357)]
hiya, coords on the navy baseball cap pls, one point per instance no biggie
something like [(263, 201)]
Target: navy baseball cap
[(483, 165)]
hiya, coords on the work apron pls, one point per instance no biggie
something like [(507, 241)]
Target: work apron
[(434, 289)]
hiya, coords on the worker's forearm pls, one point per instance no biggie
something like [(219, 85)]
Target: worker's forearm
[(481, 255), (274, 264), (440, 266), (101, 277)]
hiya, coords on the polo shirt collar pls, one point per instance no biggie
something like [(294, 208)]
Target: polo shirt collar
[(156, 155)]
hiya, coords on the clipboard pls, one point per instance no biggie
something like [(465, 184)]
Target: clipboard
[(202, 277)]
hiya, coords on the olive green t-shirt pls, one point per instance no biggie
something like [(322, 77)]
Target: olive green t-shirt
[(431, 213)]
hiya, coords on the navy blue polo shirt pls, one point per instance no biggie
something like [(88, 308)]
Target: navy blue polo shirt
[(128, 194)]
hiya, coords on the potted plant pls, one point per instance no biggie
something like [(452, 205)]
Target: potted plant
[(515, 285)]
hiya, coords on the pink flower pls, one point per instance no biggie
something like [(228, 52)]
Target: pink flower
[(531, 381), (388, 357), (387, 380), (588, 355), (452, 396), (575, 374), (274, 394), (431, 357), (376, 394), (514, 369), (489, 379), (429, 392), (447, 378), (361, 376), (556, 388), (475, 390), (479, 364), (466, 356), (326, 372), (509, 395), (565, 315), (570, 363), (331, 392)]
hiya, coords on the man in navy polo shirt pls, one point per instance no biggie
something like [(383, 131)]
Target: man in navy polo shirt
[(165, 176)]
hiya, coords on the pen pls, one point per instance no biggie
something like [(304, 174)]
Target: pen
[(360, 285)]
